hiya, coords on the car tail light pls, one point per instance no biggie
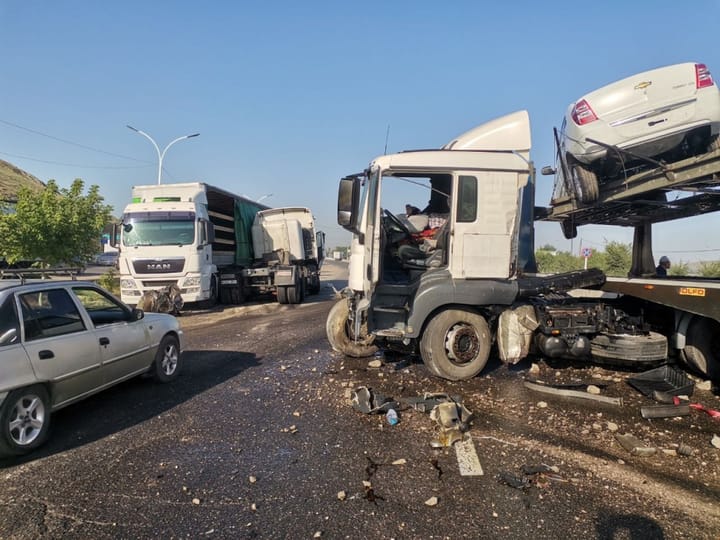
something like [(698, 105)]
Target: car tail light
[(582, 113), (703, 78)]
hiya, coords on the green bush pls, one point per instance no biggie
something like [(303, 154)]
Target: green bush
[(110, 280)]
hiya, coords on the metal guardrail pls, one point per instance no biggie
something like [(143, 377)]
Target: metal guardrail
[(24, 274)]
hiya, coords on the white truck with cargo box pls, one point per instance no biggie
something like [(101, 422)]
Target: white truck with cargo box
[(197, 239)]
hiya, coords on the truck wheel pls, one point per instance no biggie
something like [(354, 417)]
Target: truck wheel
[(225, 296), (24, 420), (212, 300), (314, 286), (456, 344), (702, 347), (340, 334), (166, 366), (282, 295), (236, 296), (585, 183)]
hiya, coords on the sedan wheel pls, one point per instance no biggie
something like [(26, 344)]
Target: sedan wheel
[(25, 420), (167, 360)]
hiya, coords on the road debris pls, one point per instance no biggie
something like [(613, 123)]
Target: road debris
[(532, 476), (341, 495), (634, 445), (432, 501), (401, 461), (715, 441), (366, 401), (664, 411), (453, 418), (252, 479), (572, 393), (699, 407), (667, 379)]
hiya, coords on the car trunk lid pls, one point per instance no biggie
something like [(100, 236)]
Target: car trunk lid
[(648, 102)]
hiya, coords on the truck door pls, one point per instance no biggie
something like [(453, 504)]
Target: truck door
[(484, 215)]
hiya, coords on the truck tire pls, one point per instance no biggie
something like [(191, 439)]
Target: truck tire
[(225, 296), (24, 420), (339, 332), (628, 350), (282, 295), (236, 296), (314, 284), (210, 302), (456, 344), (702, 347), (585, 183)]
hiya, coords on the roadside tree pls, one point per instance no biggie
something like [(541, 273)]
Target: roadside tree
[(54, 225)]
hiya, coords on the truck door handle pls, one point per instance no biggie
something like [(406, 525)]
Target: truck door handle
[(44, 355), (104, 341)]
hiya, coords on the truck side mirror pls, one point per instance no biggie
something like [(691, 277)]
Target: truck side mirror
[(348, 201), (547, 170), (113, 235), (210, 232)]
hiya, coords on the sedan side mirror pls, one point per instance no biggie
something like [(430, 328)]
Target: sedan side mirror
[(137, 314)]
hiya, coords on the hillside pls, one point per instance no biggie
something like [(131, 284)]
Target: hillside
[(12, 179)]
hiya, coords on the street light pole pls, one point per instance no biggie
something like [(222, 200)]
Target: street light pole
[(161, 155)]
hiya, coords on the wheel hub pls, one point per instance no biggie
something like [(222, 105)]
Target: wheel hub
[(462, 344)]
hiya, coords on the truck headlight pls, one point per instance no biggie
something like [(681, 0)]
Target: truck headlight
[(191, 282), (127, 284)]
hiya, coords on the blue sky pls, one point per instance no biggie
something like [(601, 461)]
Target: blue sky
[(290, 96)]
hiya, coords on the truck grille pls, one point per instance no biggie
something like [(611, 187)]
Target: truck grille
[(158, 266)]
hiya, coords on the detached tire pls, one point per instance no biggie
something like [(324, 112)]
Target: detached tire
[(585, 184), (166, 366), (339, 330), (456, 344), (24, 420), (702, 347)]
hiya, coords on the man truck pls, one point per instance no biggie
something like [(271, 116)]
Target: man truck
[(213, 245), (470, 283)]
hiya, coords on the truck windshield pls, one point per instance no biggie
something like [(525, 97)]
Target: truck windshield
[(158, 228)]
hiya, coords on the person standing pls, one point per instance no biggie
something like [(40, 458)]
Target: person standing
[(663, 267)]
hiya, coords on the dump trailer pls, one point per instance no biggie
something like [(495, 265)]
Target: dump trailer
[(186, 236), (289, 252), (686, 309), (468, 283)]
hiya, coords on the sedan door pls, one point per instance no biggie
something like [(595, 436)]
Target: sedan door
[(124, 341), (62, 350)]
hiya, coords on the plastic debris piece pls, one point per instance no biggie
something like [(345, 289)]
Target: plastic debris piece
[(685, 450), (392, 417), (634, 445), (341, 495), (664, 411), (446, 438), (401, 461), (513, 481), (666, 379), (572, 393), (711, 412), (451, 415), (468, 461), (366, 401), (432, 501), (715, 441)]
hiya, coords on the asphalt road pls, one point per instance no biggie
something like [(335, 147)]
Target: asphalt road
[(257, 439)]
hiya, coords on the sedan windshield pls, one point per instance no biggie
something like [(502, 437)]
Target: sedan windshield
[(158, 228)]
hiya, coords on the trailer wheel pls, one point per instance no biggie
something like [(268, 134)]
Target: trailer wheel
[(702, 347), (340, 333), (282, 295), (585, 183), (456, 344)]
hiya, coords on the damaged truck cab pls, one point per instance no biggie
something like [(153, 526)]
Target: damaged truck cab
[(465, 281)]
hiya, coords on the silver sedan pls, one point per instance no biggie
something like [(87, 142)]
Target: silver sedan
[(62, 341)]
